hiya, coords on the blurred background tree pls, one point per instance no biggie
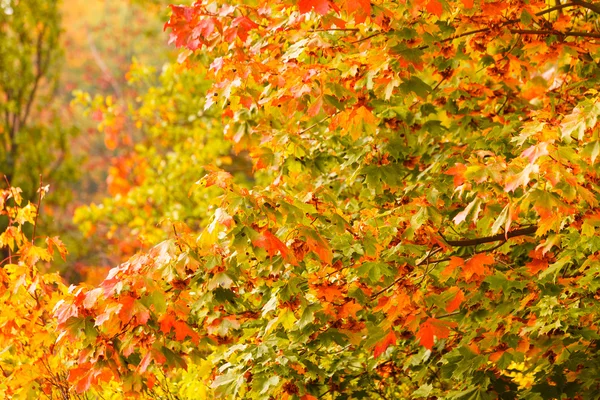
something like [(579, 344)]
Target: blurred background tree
[(34, 141)]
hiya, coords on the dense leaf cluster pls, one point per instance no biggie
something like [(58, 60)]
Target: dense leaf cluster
[(420, 221)]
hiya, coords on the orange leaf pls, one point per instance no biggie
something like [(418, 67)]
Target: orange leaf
[(350, 309), (219, 178), (329, 292), (272, 245), (433, 328), (435, 7), (166, 323), (452, 265), (320, 247), (458, 172), (535, 266), (320, 6), (467, 3), (455, 302), (56, 242), (381, 347), (476, 265)]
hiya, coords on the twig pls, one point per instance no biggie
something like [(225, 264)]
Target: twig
[(37, 211), (558, 33), (177, 241), (494, 238), (317, 123), (368, 37)]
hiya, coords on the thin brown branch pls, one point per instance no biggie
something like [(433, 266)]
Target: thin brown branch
[(368, 37), (494, 238), (335, 30), (177, 239), (317, 123), (37, 211), (514, 21), (552, 32), (590, 6)]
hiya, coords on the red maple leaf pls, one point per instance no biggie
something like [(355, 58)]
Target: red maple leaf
[(454, 304), (381, 347), (435, 7), (272, 245), (320, 247), (433, 328), (360, 8), (166, 323), (458, 172), (244, 25), (320, 6)]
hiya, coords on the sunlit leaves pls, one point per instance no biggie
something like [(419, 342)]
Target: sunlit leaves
[(413, 204)]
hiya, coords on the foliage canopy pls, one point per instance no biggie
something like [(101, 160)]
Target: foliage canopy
[(420, 221)]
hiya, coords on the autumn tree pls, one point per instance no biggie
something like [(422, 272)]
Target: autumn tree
[(33, 139), (421, 224)]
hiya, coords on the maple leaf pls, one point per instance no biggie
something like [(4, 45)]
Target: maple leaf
[(60, 246), (320, 6), (217, 64), (452, 265), (360, 8), (220, 178), (349, 309), (126, 312), (315, 107), (64, 310), (433, 328), (458, 172), (462, 216), (476, 265), (435, 7), (273, 245), (536, 151), (467, 3), (536, 265), (143, 365), (319, 246), (83, 377), (329, 292), (454, 304), (91, 297), (182, 330), (167, 321), (381, 346), (243, 25), (520, 179)]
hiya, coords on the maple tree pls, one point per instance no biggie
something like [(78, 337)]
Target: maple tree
[(420, 222)]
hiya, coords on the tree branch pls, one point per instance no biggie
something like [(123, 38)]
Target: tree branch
[(558, 33), (590, 6), (495, 238)]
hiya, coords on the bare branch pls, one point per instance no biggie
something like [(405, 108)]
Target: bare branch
[(494, 238)]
